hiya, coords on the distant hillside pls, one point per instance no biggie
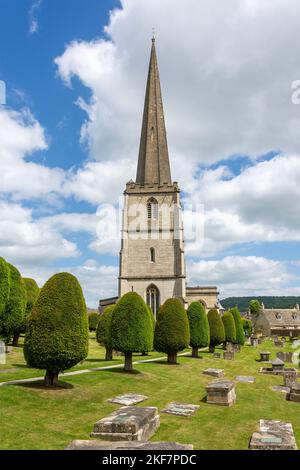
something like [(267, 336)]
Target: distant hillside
[(269, 302)]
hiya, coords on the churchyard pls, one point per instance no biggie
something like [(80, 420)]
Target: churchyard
[(34, 417)]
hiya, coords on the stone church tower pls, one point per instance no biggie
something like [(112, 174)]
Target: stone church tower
[(152, 251)]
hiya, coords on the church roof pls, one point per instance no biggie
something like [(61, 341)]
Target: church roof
[(282, 317), (153, 164)]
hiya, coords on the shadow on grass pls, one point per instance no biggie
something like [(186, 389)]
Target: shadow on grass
[(124, 372), (100, 360), (39, 385), (164, 362), (22, 366)]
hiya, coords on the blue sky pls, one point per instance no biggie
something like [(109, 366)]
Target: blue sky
[(75, 73)]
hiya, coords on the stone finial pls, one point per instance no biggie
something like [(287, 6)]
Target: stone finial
[(297, 307)]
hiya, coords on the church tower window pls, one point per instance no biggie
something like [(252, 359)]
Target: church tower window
[(152, 298), (152, 255), (152, 208)]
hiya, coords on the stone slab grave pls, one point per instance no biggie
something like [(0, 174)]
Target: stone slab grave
[(180, 409), (285, 356), (214, 372), (280, 388), (290, 377), (277, 365), (126, 445), (217, 355), (265, 356), (294, 394), (273, 435), (228, 355), (128, 399), (247, 379), (129, 423), (221, 392)]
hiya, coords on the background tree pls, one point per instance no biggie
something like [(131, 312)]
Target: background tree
[(240, 335), (131, 327), (172, 332), (216, 327), (247, 326), (13, 314), (93, 319), (254, 307), (57, 332), (199, 327), (32, 293), (229, 327), (103, 332)]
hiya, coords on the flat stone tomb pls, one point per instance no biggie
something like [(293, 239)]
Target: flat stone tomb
[(273, 435), (247, 379), (290, 377), (129, 445), (129, 423), (214, 372), (294, 394), (180, 409), (228, 355), (265, 356), (280, 388), (277, 365), (128, 399), (221, 392)]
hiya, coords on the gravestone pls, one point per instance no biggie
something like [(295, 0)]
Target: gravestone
[(8, 349), (236, 348), (294, 394), (129, 423), (126, 445), (217, 355), (280, 388), (253, 341), (228, 355), (214, 372), (259, 340), (229, 346), (128, 399), (278, 344), (245, 379), (221, 392), (285, 356), (290, 377), (277, 365), (180, 409), (273, 435), (265, 356)]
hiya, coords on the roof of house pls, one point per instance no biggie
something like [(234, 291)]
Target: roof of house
[(282, 317)]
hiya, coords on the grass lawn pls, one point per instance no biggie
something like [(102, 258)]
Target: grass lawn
[(35, 418)]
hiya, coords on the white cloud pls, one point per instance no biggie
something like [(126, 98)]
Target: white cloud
[(241, 275), (33, 16)]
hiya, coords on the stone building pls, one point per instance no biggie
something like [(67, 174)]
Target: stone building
[(283, 322), (152, 261)]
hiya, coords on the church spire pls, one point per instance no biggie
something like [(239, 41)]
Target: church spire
[(153, 164)]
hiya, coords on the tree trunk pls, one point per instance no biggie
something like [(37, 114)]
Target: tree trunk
[(51, 379), (145, 353), (128, 362), (109, 354), (172, 358), (195, 352), (16, 340), (211, 348)]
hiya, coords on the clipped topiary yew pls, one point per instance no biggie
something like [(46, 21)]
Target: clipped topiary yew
[(57, 332), (32, 293), (216, 327), (153, 322), (13, 314), (199, 327), (103, 332), (4, 285), (131, 327), (172, 332), (93, 319), (229, 327), (240, 335)]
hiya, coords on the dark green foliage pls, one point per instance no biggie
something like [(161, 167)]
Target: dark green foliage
[(240, 335), (103, 332), (57, 332), (172, 332), (242, 303), (32, 293), (131, 326), (229, 327), (217, 332), (4, 285), (247, 326), (93, 318), (254, 307), (13, 315), (199, 327)]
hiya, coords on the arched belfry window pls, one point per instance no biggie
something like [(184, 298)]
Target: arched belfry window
[(152, 298), (152, 208), (152, 255)]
